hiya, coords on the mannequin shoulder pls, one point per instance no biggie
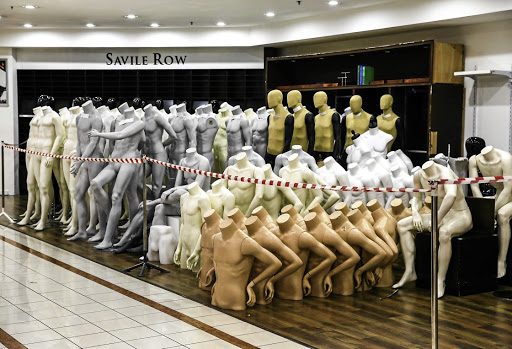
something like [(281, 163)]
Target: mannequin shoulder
[(336, 118)]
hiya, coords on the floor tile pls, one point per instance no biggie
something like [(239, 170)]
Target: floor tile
[(163, 297), (9, 309), (25, 299), (78, 330), (262, 338), (117, 324), (128, 334), (172, 327), (216, 344), (199, 311), (60, 294), (22, 327), (38, 306), (191, 337), (94, 290), (92, 340), (119, 345), (151, 319), (49, 313), (180, 304), (59, 343), (86, 308), (153, 343), (64, 321), (217, 320), (138, 310), (239, 329), (121, 303), (76, 300), (102, 315), (37, 336), (15, 318)]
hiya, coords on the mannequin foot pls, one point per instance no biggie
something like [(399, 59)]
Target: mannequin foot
[(72, 231), (441, 286), (24, 221), (125, 215), (502, 269), (96, 238), (40, 226), (79, 235), (407, 277), (23, 214), (91, 231), (103, 245), (59, 217), (68, 221), (125, 226), (64, 220), (36, 216), (378, 274)]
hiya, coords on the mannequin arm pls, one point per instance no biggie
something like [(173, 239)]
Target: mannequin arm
[(473, 172), (338, 146), (258, 194), (278, 164), (131, 130), (345, 250), (177, 254), (310, 127), (191, 132), (342, 179), (160, 120), (416, 204), (448, 200), (229, 204), (288, 132), (293, 262), (504, 196), (378, 256), (388, 183), (307, 241), (246, 130), (399, 142), (310, 177), (290, 195), (60, 133), (343, 131)]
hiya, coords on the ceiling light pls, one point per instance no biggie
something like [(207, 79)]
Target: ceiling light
[(90, 25), (28, 25), (270, 14), (131, 16), (221, 24), (333, 3), (29, 7), (154, 25)]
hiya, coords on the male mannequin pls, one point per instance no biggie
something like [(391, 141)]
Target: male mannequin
[(398, 210), (238, 217), (280, 127), (334, 174), (376, 139), (107, 117), (355, 178), (356, 121), (342, 207), (184, 128), (359, 205), (328, 141), (162, 243), (321, 285), (274, 196), (70, 150), (221, 199), (259, 129), (220, 144), (320, 212), (206, 130), (209, 228), (304, 122), (253, 157), (265, 218), (238, 132), (194, 205), (390, 123), (296, 285), (401, 179), (305, 158), (247, 195), (250, 114), (233, 254), (496, 162), (377, 177), (295, 216), (453, 215), (127, 135), (192, 160)]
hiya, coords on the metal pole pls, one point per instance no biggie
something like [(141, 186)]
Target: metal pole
[(144, 222), (434, 265), (3, 213)]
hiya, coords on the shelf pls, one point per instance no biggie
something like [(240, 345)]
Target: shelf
[(473, 74), (354, 87)]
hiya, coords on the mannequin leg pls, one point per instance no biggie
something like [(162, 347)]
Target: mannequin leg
[(63, 191), (37, 207), (93, 213), (71, 183), (45, 182), (504, 215), (82, 211), (131, 193), (158, 172), (32, 188)]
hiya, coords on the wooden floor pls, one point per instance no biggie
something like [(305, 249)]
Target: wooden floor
[(359, 321)]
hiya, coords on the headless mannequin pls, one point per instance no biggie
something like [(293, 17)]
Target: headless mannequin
[(356, 121), (162, 243), (295, 216), (377, 177), (334, 174), (221, 199), (304, 122), (209, 228), (265, 218), (250, 114), (377, 140), (426, 209), (206, 130), (342, 207), (454, 220), (220, 144), (253, 157), (184, 128), (305, 158), (324, 217), (238, 132), (496, 162), (390, 123), (357, 149), (238, 217), (247, 195), (395, 159), (280, 127), (194, 205), (233, 254), (297, 285), (328, 141), (398, 210), (401, 179), (65, 191), (405, 159), (359, 205), (107, 117), (355, 178), (382, 161), (193, 160), (259, 130), (321, 284)]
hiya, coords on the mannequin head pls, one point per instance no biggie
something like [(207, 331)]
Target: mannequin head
[(138, 103), (474, 146), (45, 100), (320, 99), (112, 103), (275, 97), (215, 105), (122, 107), (97, 101), (77, 101), (294, 98), (88, 108), (159, 104), (373, 122), (356, 104), (386, 102)]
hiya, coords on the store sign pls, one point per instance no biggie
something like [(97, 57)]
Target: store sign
[(154, 59)]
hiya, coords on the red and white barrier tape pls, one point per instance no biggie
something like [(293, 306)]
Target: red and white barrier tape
[(494, 179)]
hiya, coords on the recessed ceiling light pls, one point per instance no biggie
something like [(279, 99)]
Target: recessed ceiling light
[(333, 3), (131, 16), (29, 7), (221, 24), (154, 25), (90, 25), (28, 25), (270, 14)]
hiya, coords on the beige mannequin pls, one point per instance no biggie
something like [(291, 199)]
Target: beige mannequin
[(221, 199), (426, 209), (220, 144), (398, 210), (304, 122), (321, 285), (233, 255), (496, 162), (273, 196), (356, 121), (297, 285), (209, 228), (385, 228), (296, 217), (388, 120), (342, 207), (454, 220), (247, 195), (238, 217), (372, 255), (265, 218), (359, 205), (291, 262), (322, 214)]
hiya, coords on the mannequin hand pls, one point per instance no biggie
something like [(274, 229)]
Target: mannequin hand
[(94, 133), (269, 290), (251, 294), (165, 195), (209, 277), (378, 274), (370, 279), (75, 166), (177, 256), (327, 284), (306, 286), (198, 274), (48, 162), (358, 277), (417, 222), (192, 261), (213, 289)]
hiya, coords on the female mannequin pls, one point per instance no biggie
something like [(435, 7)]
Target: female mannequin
[(355, 178), (296, 285), (334, 174), (209, 228), (221, 199), (405, 159), (238, 132), (359, 205), (305, 158), (253, 157), (220, 144), (401, 179), (280, 127), (382, 161), (356, 150), (395, 159), (356, 121), (377, 177), (377, 140), (273, 196), (206, 130), (321, 285), (259, 130), (390, 123), (328, 141), (398, 210), (304, 122)]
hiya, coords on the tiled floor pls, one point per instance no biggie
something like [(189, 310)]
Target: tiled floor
[(43, 305)]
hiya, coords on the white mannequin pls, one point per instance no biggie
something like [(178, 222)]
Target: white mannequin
[(355, 178), (220, 144), (382, 161), (405, 159), (162, 244), (194, 205), (496, 162), (221, 199), (259, 130), (401, 179), (59, 175), (356, 150), (334, 174), (376, 139), (238, 132), (197, 161), (377, 177), (395, 159), (273, 196), (107, 117), (250, 114), (206, 130), (253, 157), (305, 158), (454, 220)]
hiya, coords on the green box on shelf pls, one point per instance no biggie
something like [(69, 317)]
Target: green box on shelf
[(365, 74)]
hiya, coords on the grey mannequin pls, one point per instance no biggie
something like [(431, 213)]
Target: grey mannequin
[(259, 130), (253, 157), (206, 130), (238, 132), (305, 158), (184, 127)]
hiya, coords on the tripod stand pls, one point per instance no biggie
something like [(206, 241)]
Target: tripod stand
[(3, 213)]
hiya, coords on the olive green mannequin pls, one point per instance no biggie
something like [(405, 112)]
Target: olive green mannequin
[(304, 122), (328, 140), (390, 123), (356, 121), (280, 127)]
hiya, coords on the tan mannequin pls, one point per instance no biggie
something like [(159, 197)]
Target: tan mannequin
[(297, 285), (322, 214), (356, 121), (233, 254), (426, 209), (342, 207), (265, 218), (280, 127), (273, 196), (359, 205), (238, 217), (398, 210), (209, 228), (321, 285), (389, 122), (291, 262), (221, 199), (372, 255), (296, 217), (304, 122), (327, 129)]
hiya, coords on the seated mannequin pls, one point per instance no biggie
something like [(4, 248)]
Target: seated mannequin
[(304, 122), (209, 228), (220, 144), (496, 162), (280, 127), (233, 255), (356, 121), (334, 174), (162, 243), (355, 178), (454, 220), (221, 199), (377, 177), (274, 196), (427, 207), (390, 123), (328, 136), (194, 205), (377, 140), (398, 210), (297, 285), (253, 157), (401, 179), (305, 158), (247, 195), (184, 128), (259, 129), (238, 132), (206, 131)]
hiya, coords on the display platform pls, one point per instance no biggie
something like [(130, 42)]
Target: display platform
[(363, 320)]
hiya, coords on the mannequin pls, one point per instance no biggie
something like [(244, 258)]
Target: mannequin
[(59, 176), (247, 195), (274, 196), (251, 115), (193, 160), (162, 243), (265, 218), (401, 179), (221, 199), (238, 217), (233, 254), (357, 149), (107, 117), (359, 205), (259, 129), (280, 127), (220, 144), (264, 290), (209, 228), (356, 121), (328, 141), (238, 132), (295, 216), (355, 178), (390, 123), (405, 159), (184, 128), (496, 162), (334, 174), (385, 228), (253, 157), (342, 207), (304, 122), (321, 285), (377, 177), (194, 205), (305, 158), (395, 159), (426, 209), (206, 130), (398, 210), (127, 135), (454, 220), (377, 140), (297, 285), (324, 217), (382, 161)]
